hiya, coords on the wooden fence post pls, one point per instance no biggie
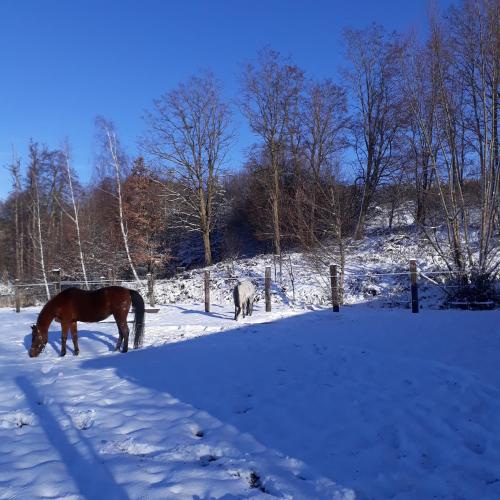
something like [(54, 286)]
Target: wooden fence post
[(151, 289), (414, 286), (267, 288), (57, 280), (111, 275), (17, 291), (335, 287), (207, 291)]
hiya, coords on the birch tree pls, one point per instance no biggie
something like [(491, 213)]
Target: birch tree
[(35, 197), (116, 163), (73, 213)]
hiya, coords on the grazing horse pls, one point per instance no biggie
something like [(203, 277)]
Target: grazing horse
[(243, 295), (73, 304)]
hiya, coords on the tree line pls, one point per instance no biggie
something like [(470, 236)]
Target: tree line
[(408, 123)]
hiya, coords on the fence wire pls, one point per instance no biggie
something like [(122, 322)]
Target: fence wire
[(283, 287)]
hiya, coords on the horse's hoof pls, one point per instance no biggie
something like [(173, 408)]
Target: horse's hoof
[(75, 353), (63, 353), (124, 351)]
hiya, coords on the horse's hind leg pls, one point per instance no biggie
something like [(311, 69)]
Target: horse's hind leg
[(123, 332), (120, 337), (64, 337), (74, 336), (125, 336)]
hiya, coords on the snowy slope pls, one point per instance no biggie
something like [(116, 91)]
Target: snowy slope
[(376, 273), (367, 403)]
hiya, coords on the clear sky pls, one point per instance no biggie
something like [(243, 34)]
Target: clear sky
[(62, 62)]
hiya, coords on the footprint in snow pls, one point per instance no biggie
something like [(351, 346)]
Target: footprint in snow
[(242, 411), (207, 459), (129, 447), (16, 419)]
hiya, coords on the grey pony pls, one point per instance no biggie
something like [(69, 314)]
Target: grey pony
[(243, 295)]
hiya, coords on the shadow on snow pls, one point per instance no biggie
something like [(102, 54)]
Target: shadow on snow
[(88, 471)]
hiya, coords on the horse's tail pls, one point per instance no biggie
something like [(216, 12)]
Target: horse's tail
[(138, 303)]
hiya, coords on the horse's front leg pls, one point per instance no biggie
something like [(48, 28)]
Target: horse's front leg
[(74, 336), (64, 337)]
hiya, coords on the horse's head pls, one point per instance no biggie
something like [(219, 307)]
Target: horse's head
[(37, 342)]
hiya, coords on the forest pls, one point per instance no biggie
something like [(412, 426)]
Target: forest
[(409, 123)]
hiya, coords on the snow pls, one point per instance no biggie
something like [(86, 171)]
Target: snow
[(297, 403), (377, 272)]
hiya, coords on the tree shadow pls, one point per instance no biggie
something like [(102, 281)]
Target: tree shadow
[(231, 375), (295, 385), (90, 474)]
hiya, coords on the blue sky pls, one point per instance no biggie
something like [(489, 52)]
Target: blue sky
[(62, 63)]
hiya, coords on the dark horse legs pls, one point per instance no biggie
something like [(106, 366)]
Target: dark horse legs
[(74, 336), (122, 333), (64, 337)]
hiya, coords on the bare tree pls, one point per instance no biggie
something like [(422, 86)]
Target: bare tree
[(74, 215), (15, 171), (373, 57), (34, 177), (189, 133), (461, 138), (270, 92), (115, 160), (475, 41)]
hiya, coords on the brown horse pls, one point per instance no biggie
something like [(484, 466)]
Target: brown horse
[(74, 305)]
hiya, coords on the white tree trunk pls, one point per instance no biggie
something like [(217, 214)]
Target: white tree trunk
[(40, 240), (76, 220), (116, 165)]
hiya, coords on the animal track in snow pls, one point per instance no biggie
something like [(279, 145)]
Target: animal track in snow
[(16, 419), (83, 419), (129, 446)]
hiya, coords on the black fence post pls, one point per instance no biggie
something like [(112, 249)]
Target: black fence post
[(414, 286), (17, 291), (207, 291)]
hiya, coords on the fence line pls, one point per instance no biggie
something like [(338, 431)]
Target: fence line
[(330, 279)]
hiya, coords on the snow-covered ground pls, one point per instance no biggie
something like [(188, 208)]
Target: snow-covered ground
[(297, 403), (376, 273)]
